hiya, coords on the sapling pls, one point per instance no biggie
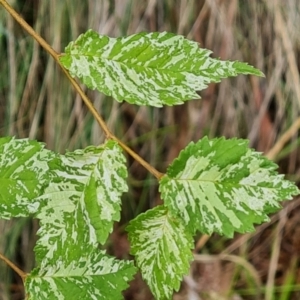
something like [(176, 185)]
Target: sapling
[(214, 185)]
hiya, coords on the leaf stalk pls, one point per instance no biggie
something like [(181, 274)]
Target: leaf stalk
[(14, 267)]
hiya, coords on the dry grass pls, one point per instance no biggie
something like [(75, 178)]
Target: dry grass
[(36, 101)]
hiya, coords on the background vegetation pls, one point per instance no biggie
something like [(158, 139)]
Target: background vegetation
[(36, 101)]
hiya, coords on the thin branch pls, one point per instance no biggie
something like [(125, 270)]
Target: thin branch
[(152, 170), (14, 267), (77, 87), (87, 102)]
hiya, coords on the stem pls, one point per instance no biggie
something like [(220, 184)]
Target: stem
[(283, 140), (78, 89), (14, 267), (134, 155)]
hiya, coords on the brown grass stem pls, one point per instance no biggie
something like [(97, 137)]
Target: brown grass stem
[(283, 140)]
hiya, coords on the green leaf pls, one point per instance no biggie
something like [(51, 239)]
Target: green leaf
[(24, 173), (147, 68), (81, 203), (103, 192), (93, 276), (223, 186), (64, 234), (83, 200), (162, 250)]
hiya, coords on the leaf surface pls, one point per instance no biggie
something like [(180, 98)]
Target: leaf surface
[(83, 200), (162, 250), (223, 186), (147, 68), (93, 276), (24, 174)]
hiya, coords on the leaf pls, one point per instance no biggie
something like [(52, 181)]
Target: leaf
[(147, 68), (223, 186), (83, 201), (64, 235), (162, 250), (24, 173), (107, 183), (93, 276)]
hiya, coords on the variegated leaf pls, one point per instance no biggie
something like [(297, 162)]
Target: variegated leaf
[(162, 250), (64, 234), (93, 276), (102, 197), (83, 201), (24, 173), (223, 186), (147, 68)]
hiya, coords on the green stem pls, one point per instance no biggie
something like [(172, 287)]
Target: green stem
[(76, 86)]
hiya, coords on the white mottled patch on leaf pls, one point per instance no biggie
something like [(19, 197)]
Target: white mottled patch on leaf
[(147, 68), (223, 186), (24, 174), (93, 276), (162, 250), (82, 202)]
